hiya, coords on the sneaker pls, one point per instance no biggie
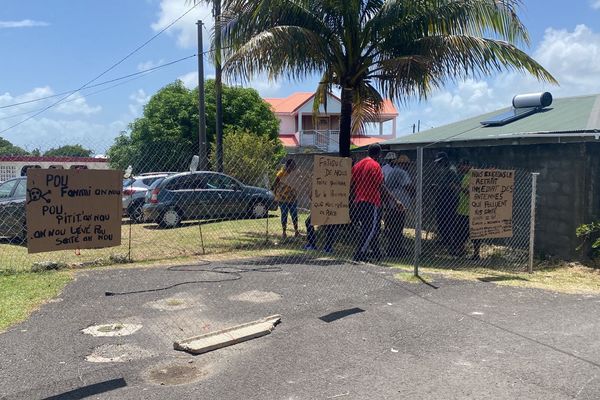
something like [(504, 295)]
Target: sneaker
[(310, 247)]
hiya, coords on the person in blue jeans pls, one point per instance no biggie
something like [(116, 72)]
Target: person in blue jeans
[(287, 196)]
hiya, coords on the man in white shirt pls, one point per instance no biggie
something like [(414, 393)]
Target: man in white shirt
[(399, 199)]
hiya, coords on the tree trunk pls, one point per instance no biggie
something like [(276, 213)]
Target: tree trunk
[(218, 87), (346, 122)]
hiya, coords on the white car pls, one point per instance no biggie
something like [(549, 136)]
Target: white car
[(134, 193)]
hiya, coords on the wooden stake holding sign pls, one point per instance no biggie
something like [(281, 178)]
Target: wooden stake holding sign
[(73, 209), (330, 194), (491, 203)]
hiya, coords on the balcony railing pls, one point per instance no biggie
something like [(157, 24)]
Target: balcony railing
[(324, 140)]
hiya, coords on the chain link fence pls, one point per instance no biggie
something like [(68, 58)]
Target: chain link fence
[(261, 208)]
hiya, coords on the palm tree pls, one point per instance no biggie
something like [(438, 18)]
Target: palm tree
[(374, 49)]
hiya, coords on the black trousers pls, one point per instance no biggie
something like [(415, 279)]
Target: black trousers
[(367, 216), (311, 235), (394, 231)]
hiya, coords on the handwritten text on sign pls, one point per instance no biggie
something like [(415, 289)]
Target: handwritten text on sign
[(331, 190), (491, 203), (73, 209)]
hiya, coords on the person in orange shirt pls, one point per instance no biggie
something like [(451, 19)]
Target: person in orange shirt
[(287, 196)]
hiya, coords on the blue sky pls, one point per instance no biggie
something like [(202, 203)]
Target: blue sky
[(52, 47)]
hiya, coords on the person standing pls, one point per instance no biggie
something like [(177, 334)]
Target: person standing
[(463, 211), (446, 200), (397, 201), (287, 196), (367, 179)]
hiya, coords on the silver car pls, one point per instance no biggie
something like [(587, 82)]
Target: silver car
[(134, 193)]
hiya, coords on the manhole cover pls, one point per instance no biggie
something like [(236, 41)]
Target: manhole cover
[(117, 353), (256, 296), (175, 374), (172, 303), (117, 329)]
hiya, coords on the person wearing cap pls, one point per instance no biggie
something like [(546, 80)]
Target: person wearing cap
[(446, 201), (367, 180), (463, 211), (388, 160), (398, 199)]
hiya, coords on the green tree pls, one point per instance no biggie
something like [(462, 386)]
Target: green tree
[(374, 49), (75, 150), (166, 136), (250, 158), (9, 149)]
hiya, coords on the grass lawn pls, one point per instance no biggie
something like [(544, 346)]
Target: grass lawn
[(149, 243), (20, 294), (570, 278)]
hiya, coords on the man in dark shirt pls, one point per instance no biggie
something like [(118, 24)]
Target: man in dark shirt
[(367, 179)]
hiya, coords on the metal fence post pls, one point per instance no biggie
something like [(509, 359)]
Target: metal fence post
[(418, 210), (534, 176)]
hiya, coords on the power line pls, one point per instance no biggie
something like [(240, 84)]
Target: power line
[(105, 71), (145, 71)]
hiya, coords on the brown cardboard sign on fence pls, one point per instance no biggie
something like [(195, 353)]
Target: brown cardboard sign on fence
[(73, 209), (491, 203), (330, 195)]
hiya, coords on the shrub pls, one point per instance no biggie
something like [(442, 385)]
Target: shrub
[(249, 157)]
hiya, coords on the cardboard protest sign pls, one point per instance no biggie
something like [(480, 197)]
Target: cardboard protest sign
[(330, 194), (73, 209), (491, 203)]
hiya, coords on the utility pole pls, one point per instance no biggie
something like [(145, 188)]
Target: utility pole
[(203, 148), (218, 86)]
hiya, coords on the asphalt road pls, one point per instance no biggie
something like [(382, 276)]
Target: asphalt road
[(462, 340)]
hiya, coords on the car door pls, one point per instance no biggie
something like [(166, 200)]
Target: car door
[(220, 191), (6, 219), (181, 190), (15, 209)]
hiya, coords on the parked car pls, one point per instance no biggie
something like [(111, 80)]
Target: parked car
[(134, 193), (12, 208), (203, 195)]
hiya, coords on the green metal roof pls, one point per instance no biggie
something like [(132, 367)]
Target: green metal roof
[(572, 115)]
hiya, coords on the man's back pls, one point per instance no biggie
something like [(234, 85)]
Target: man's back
[(367, 178)]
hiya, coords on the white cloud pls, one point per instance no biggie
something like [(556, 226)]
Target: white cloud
[(25, 23), (45, 133), (149, 64), (139, 98), (76, 104), (264, 86), (595, 4), (190, 80), (184, 30), (572, 57)]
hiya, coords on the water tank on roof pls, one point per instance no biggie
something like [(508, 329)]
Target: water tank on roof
[(532, 100)]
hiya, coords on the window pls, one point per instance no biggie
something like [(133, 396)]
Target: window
[(56, 167), (7, 172), (221, 182), (6, 189), (78, 167), (185, 182), (21, 189)]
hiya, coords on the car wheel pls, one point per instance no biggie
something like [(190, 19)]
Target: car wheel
[(170, 219), (259, 209), (136, 213)]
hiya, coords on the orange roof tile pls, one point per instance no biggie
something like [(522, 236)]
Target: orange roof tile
[(290, 104), (361, 141), (289, 140), (389, 108)]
